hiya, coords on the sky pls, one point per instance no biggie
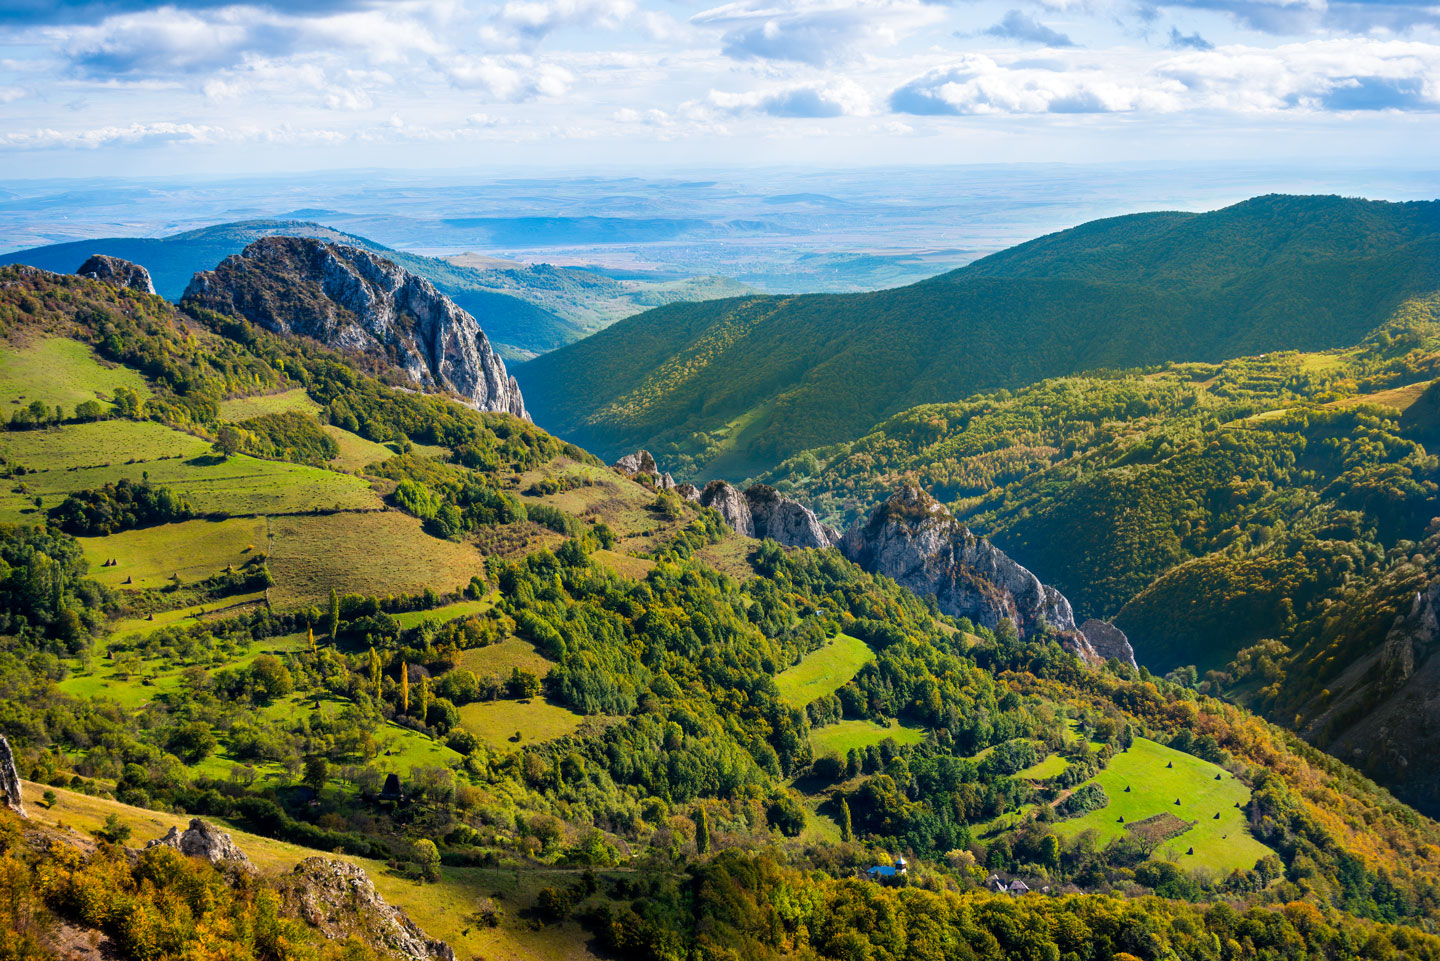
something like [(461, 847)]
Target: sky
[(129, 87)]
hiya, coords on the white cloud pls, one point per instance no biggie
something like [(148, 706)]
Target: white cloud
[(1321, 75), (840, 98), (815, 31), (511, 78)]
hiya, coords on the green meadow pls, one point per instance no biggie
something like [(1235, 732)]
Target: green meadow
[(192, 549), (498, 660), (55, 370), (449, 612), (851, 735), (497, 722), (824, 671), (1158, 776)]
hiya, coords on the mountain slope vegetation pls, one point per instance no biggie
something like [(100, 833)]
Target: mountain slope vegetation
[(1254, 526), (659, 797), (736, 386), (526, 310)]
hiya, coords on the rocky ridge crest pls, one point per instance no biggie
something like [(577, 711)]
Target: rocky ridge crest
[(117, 272), (354, 300), (340, 900)]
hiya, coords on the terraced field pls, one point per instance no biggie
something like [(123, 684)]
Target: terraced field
[(824, 671)]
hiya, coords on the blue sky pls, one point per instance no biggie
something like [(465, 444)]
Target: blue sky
[(129, 87)]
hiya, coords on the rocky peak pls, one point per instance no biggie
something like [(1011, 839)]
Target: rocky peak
[(353, 300), (918, 543), (204, 840), (761, 512), (640, 462), (9, 779), (340, 899), (117, 272)]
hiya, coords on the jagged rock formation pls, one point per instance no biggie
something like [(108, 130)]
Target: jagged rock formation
[(1108, 641), (356, 301), (915, 541), (10, 779), (117, 272), (204, 840), (340, 900), (1383, 712), (641, 462), (761, 512), (688, 492)]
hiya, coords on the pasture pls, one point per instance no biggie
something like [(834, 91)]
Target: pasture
[(1221, 844), (497, 722), (193, 549), (244, 408), (370, 553), (845, 736), (442, 615), (498, 660), (823, 671), (56, 370)]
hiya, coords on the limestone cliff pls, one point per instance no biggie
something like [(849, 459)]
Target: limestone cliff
[(915, 541), (9, 779), (117, 272), (761, 512), (356, 301)]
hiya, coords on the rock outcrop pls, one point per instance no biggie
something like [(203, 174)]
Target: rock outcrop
[(10, 779), (761, 512), (1108, 641), (915, 541), (117, 272), (204, 840), (356, 301), (640, 462), (340, 900)]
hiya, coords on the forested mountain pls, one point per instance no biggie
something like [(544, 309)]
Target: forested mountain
[(735, 386), (1264, 520), (555, 710), (526, 309)]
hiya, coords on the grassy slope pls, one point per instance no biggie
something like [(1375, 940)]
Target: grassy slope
[(193, 549), (734, 386), (846, 735), (441, 909), (1220, 845), (824, 671), (54, 370)]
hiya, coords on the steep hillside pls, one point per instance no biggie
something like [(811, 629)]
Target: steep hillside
[(352, 300), (527, 310), (1264, 520), (733, 387), (560, 712)]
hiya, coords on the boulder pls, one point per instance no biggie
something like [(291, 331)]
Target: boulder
[(204, 840), (355, 301), (340, 900), (117, 273)]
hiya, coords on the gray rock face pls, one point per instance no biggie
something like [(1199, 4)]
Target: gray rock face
[(10, 779), (340, 899), (1383, 713), (915, 541), (117, 272), (688, 492), (204, 840), (761, 512), (1108, 641), (353, 300), (639, 462)]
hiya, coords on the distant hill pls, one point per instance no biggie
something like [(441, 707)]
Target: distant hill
[(527, 310), (735, 386)]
